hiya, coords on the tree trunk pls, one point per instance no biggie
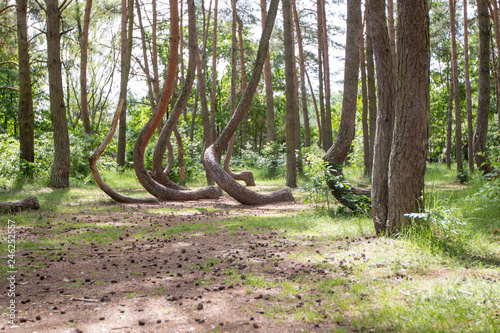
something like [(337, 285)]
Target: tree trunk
[(30, 203), (372, 91), (386, 95), (149, 79), (483, 104), (318, 118), (212, 155), (468, 98), (193, 116), (180, 156), (164, 139), (154, 52), (244, 124), (270, 133), (95, 157), (303, 90), (454, 68), (153, 187), (412, 119), (245, 176), (83, 69), (126, 54), (367, 158), (213, 92), (59, 177), (326, 64), (321, 46), (208, 127), (291, 108), (25, 113), (392, 32), (449, 127), (496, 69), (339, 150)]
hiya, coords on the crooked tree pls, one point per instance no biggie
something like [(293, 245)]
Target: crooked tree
[(212, 155)]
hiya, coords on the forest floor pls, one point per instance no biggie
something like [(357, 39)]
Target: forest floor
[(86, 264)]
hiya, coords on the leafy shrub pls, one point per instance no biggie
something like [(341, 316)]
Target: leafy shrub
[(315, 169)]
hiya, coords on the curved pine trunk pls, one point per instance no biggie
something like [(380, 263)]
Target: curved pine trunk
[(212, 155), (95, 172), (153, 187)]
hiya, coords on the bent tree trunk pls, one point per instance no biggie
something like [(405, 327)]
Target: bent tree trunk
[(158, 190), (245, 176), (98, 152), (353, 198), (212, 155)]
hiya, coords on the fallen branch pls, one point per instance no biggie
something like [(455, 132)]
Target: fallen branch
[(16, 206), (85, 300)]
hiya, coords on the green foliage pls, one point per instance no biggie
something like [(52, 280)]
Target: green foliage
[(271, 163), (317, 190)]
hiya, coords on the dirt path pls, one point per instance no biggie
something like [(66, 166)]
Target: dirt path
[(176, 267)]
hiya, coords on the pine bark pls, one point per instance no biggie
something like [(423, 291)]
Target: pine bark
[(244, 124), (468, 94), (213, 92), (84, 43), (326, 65), (372, 91), (449, 127), (340, 149), (483, 104), (367, 158), (386, 95), (59, 177), (454, 68), (25, 111), (321, 46), (126, 53), (290, 107), (392, 32), (412, 119), (303, 90), (496, 68)]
